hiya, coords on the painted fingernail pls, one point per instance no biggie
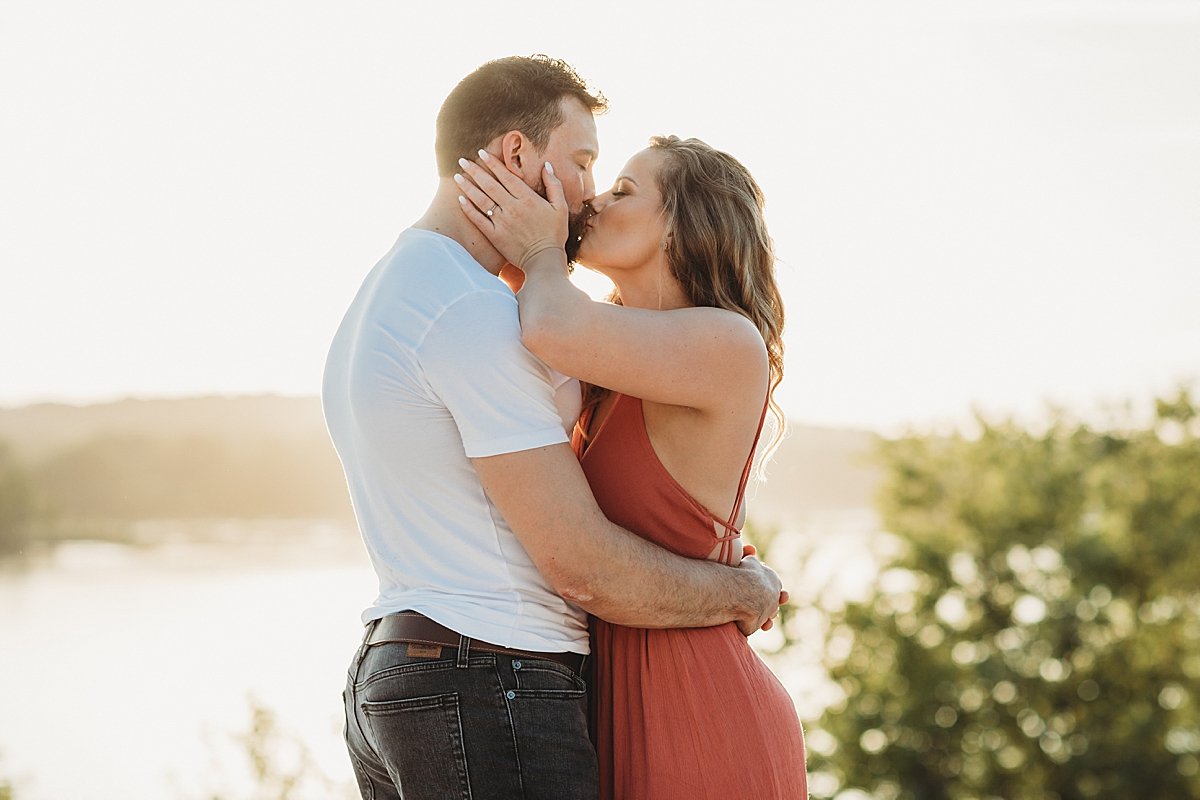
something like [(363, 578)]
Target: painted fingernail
[(458, 178), (549, 168), (462, 162), (462, 200), (484, 154)]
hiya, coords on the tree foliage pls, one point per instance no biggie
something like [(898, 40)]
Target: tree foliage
[(17, 504), (1037, 634), (139, 476)]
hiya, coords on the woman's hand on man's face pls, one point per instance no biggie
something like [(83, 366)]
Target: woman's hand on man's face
[(514, 218)]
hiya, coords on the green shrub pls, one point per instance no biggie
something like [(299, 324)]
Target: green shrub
[(1037, 634)]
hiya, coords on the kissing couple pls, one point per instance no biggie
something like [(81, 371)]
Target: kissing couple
[(550, 488)]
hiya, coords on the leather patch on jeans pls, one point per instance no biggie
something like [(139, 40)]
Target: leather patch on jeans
[(425, 650)]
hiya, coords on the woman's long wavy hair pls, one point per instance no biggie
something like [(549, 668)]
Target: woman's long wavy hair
[(719, 249)]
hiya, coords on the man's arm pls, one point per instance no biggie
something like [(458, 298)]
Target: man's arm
[(612, 573)]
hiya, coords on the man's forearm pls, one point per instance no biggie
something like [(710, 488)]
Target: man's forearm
[(639, 584), (615, 574)]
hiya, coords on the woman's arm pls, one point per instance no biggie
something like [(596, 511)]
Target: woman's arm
[(688, 357)]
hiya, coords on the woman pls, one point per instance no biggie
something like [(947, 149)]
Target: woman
[(680, 371)]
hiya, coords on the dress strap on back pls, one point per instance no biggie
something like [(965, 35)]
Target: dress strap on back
[(725, 553), (741, 491), (724, 532)]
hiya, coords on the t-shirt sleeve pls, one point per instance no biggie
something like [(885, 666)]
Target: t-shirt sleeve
[(497, 391)]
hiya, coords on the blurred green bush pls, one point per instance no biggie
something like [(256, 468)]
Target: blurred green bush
[(1037, 634)]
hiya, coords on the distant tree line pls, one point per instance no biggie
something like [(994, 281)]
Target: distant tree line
[(17, 503), (114, 478), (1037, 634)]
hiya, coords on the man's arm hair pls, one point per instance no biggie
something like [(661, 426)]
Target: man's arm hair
[(610, 572)]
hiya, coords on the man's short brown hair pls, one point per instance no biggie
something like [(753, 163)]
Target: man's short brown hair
[(518, 93)]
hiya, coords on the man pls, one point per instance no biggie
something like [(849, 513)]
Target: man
[(487, 542)]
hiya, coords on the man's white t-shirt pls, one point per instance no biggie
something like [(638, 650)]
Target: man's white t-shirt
[(426, 371)]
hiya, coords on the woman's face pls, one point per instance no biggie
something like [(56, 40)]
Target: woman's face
[(629, 228)]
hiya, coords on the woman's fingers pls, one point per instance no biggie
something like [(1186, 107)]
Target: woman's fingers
[(554, 187), (478, 219), (503, 175), (476, 196), (518, 223), (486, 183)]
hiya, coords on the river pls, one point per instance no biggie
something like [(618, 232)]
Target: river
[(133, 671)]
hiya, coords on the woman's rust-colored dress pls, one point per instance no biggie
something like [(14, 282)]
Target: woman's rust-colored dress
[(679, 714)]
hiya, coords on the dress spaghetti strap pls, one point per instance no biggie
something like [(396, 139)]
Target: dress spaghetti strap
[(725, 555)]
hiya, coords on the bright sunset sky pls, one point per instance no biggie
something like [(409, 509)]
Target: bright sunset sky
[(991, 203)]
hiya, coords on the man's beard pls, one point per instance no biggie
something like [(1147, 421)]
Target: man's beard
[(575, 223)]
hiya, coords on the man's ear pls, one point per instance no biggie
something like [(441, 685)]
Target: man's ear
[(517, 152)]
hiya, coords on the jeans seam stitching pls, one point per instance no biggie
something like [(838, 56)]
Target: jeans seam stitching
[(544, 665), (362, 770), (512, 730), (384, 708), (551, 694), (580, 686), (368, 739), (465, 767), (358, 723), (405, 669)]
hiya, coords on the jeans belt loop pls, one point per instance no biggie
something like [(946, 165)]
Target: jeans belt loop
[(362, 648), (464, 652)]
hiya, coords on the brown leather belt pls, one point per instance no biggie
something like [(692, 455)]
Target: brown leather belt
[(414, 628)]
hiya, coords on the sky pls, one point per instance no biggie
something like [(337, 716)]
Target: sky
[(975, 204)]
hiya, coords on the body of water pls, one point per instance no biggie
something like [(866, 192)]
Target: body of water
[(132, 671)]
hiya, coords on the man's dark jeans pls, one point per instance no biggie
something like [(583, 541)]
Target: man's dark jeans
[(428, 725)]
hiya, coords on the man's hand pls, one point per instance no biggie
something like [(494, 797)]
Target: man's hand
[(772, 595), (784, 597)]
